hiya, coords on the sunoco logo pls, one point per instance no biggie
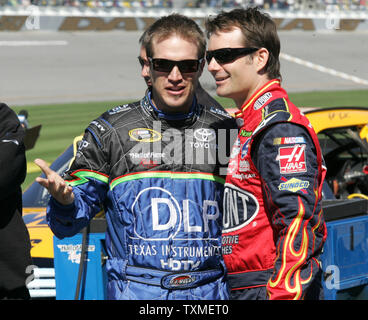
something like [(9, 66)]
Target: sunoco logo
[(240, 208), (182, 280), (294, 185)]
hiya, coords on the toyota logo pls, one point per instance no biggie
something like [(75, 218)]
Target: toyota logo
[(205, 134)]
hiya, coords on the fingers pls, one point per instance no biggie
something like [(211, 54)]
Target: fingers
[(43, 182), (55, 184), (43, 166), (68, 195)]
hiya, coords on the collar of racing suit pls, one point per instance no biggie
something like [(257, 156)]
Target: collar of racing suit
[(187, 118), (270, 90)]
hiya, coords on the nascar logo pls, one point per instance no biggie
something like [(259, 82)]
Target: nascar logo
[(288, 140)]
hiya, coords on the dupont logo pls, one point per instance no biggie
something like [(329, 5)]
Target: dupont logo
[(182, 280)]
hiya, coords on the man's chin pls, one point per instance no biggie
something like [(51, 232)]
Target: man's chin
[(178, 105), (221, 92)]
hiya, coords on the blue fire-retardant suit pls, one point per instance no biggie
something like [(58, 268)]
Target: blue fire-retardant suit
[(158, 178)]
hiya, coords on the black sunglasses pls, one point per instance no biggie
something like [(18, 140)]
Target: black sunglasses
[(185, 66), (226, 55), (142, 61)]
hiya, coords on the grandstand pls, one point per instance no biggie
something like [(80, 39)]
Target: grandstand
[(290, 5)]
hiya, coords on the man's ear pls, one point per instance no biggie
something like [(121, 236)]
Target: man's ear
[(149, 70), (201, 67), (262, 56)]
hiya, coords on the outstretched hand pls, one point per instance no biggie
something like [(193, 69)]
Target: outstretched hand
[(55, 184)]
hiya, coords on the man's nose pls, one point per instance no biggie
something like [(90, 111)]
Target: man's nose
[(175, 74), (213, 65)]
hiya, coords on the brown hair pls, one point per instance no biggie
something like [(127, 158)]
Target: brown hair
[(177, 24), (258, 29)]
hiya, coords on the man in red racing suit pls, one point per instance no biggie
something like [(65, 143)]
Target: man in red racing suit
[(273, 224)]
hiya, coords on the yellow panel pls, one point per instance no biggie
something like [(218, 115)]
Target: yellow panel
[(39, 232), (333, 118)]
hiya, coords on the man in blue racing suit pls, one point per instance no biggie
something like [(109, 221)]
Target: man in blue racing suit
[(155, 167)]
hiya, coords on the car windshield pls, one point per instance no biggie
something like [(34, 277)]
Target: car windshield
[(346, 157)]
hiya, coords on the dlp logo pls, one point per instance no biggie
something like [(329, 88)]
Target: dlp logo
[(158, 215)]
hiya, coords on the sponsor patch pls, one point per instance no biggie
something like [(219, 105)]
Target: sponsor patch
[(240, 208), (98, 125), (245, 133), (205, 134), (262, 100), (292, 159), (183, 280), (118, 109), (144, 135), (232, 166), (244, 149), (236, 149), (294, 185), (244, 166), (288, 140), (220, 112)]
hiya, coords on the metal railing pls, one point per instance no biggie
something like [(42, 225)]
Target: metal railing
[(43, 285)]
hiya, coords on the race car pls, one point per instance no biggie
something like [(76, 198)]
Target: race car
[(343, 136)]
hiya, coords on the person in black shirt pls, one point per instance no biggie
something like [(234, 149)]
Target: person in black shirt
[(14, 238)]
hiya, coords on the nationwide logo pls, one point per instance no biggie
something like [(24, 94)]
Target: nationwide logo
[(182, 280), (294, 185), (145, 135)]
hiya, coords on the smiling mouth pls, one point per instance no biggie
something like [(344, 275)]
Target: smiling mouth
[(175, 90), (220, 80)]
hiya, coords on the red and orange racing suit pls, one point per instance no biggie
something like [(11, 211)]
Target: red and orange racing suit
[(274, 228)]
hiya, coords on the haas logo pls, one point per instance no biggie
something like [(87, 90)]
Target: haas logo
[(292, 159)]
